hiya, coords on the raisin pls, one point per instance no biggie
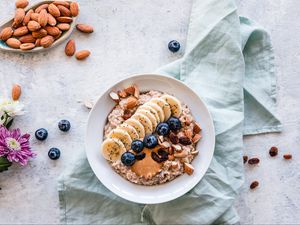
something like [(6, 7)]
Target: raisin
[(185, 140), (287, 156), (273, 151), (253, 161), (127, 114), (254, 184), (140, 156), (163, 154), (156, 157), (245, 158), (173, 138)]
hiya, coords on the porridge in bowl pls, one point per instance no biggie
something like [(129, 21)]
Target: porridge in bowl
[(150, 137)]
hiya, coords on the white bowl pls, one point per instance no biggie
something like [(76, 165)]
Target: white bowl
[(158, 193)]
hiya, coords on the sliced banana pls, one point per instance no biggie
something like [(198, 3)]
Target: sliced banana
[(145, 121), (112, 149), (122, 136), (150, 116), (164, 105), (137, 126), (130, 130), (174, 104), (157, 109), (152, 110)]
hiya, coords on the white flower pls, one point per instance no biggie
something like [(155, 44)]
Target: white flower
[(11, 108)]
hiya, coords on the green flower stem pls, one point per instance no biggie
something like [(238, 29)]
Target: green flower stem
[(4, 164)]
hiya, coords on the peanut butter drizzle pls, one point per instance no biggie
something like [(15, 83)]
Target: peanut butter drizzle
[(147, 167)]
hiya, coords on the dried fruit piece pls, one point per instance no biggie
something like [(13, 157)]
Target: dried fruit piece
[(253, 161), (254, 184), (20, 31), (197, 128), (21, 3), (174, 138), (33, 26), (64, 19), (74, 9), (51, 20), (64, 11), (6, 33), (156, 157), (27, 46), (27, 17), (70, 48), (34, 17), (43, 18), (245, 159), (85, 28), (13, 43), (131, 102), (83, 54), (196, 138), (27, 39), (188, 168), (16, 92), (63, 26), (19, 16), (114, 96), (273, 151), (185, 140), (53, 31), (47, 41), (127, 114), (40, 33), (53, 10), (287, 156)]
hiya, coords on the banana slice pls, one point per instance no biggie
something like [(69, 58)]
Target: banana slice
[(145, 121), (137, 126), (152, 110), (174, 104), (157, 109), (122, 136), (130, 130), (150, 117), (112, 149), (164, 105)]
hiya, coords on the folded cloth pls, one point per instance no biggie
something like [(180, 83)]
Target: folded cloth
[(229, 63)]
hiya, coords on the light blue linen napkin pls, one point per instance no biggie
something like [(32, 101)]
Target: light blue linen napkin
[(229, 63)]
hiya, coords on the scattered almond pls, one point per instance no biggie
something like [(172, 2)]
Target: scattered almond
[(70, 48), (131, 102), (64, 19), (33, 26), (63, 3), (74, 9), (16, 92), (197, 128), (47, 41), (53, 31), (13, 43), (43, 18), (53, 10), (20, 31), (63, 26), (27, 39), (21, 3), (27, 17), (114, 96), (188, 168), (64, 11), (34, 17), (6, 33), (41, 7), (196, 138), (85, 28), (40, 33), (27, 46), (83, 54), (19, 16), (51, 20)]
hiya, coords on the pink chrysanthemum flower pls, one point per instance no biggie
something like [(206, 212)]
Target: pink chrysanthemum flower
[(14, 146)]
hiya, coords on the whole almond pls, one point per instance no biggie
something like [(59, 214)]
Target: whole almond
[(129, 90), (16, 92), (64, 11), (64, 19), (27, 17), (53, 31), (85, 28), (131, 102), (13, 43), (63, 3), (21, 3), (51, 20), (58, 36), (83, 54), (19, 16), (41, 7), (27, 39), (74, 9), (33, 25), (37, 42), (70, 48), (39, 33), (6, 33), (27, 46), (43, 18), (53, 10), (20, 31), (47, 41), (63, 26), (34, 17)]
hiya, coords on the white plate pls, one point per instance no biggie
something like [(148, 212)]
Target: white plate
[(158, 193)]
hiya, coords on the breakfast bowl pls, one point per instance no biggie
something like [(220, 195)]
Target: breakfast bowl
[(154, 182)]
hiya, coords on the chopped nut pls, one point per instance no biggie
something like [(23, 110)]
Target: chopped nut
[(273, 151), (197, 128), (188, 133), (160, 139), (88, 104), (253, 161), (174, 165), (122, 94), (196, 138), (130, 90), (165, 144), (177, 148), (287, 156), (131, 102), (182, 154), (188, 168), (196, 152), (173, 138), (171, 157), (187, 121), (245, 159), (114, 96), (254, 184), (136, 91)]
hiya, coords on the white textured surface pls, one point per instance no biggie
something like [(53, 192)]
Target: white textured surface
[(131, 37)]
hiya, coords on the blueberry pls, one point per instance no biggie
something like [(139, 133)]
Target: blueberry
[(174, 123), (140, 156), (150, 141), (137, 146), (128, 158), (64, 125), (174, 46), (41, 134), (163, 129), (54, 153)]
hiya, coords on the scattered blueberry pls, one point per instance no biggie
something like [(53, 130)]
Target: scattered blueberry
[(41, 134), (150, 141), (174, 46), (140, 156), (174, 123), (128, 158), (137, 146), (163, 129), (54, 153), (64, 125)]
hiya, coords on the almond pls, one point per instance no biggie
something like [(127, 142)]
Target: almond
[(196, 138), (43, 18), (85, 28), (74, 9), (20, 31), (51, 20), (33, 25), (19, 16), (188, 168), (27, 46), (129, 90), (58, 36), (114, 96), (122, 94), (53, 10), (27, 39), (82, 54), (34, 17), (41, 7), (6, 33), (37, 42), (64, 11), (195, 152), (64, 19), (39, 34), (187, 121), (136, 91), (16, 92), (182, 154), (176, 148), (21, 3), (13, 43), (131, 102), (63, 3), (27, 17), (47, 41), (196, 128), (53, 31), (70, 48), (63, 26), (188, 133)]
